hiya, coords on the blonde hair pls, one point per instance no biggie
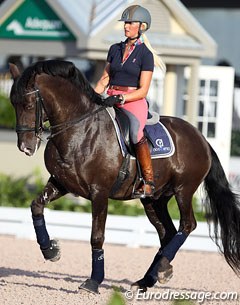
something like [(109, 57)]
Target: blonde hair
[(158, 62)]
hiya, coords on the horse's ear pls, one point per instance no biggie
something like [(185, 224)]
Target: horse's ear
[(14, 71)]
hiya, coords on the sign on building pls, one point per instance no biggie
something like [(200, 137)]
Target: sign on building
[(34, 19)]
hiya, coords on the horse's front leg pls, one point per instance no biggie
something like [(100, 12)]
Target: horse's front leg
[(99, 215), (50, 248)]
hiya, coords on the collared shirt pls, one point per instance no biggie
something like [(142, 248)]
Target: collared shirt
[(127, 72)]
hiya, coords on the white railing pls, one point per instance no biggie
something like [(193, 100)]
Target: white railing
[(122, 230)]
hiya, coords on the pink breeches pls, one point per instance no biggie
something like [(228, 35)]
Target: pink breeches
[(137, 113)]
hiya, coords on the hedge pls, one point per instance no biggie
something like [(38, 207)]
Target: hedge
[(7, 113), (19, 192)]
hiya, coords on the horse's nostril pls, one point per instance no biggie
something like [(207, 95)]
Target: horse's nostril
[(26, 150), (22, 146)]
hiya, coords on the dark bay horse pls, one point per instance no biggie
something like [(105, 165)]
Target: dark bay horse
[(83, 157)]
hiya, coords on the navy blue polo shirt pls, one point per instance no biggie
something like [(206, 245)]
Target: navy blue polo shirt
[(128, 74)]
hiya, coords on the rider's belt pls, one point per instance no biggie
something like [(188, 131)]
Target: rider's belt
[(122, 88)]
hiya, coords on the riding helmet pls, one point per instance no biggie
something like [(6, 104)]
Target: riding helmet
[(136, 13)]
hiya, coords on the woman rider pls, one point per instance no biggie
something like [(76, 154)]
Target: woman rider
[(127, 76)]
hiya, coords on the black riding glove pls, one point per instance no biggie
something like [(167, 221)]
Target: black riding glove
[(113, 99)]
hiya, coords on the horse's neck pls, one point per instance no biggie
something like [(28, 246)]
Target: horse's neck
[(62, 101), (66, 109)]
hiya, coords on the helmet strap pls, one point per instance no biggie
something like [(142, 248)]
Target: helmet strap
[(139, 34)]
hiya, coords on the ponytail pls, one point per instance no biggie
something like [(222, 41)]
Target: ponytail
[(158, 62)]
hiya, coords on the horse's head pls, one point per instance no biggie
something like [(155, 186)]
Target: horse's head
[(28, 111), (67, 95)]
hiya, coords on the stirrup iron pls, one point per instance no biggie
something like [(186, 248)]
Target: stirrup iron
[(141, 192)]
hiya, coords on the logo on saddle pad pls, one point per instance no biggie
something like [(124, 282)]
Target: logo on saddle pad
[(161, 148), (159, 143)]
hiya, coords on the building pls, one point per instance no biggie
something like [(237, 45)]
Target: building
[(85, 29), (222, 20)]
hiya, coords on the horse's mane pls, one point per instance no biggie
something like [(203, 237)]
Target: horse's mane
[(64, 69)]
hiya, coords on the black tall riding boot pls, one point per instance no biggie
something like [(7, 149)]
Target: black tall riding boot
[(144, 158)]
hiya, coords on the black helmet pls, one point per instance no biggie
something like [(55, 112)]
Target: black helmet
[(136, 13)]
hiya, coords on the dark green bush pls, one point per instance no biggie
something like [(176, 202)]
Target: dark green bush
[(235, 143), (7, 113), (19, 192)]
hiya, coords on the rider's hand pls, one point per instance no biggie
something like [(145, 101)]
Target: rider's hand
[(113, 99)]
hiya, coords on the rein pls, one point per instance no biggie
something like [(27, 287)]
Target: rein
[(69, 124), (39, 119)]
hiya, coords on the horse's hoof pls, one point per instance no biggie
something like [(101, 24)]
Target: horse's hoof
[(53, 253), (90, 286), (165, 271), (139, 285)]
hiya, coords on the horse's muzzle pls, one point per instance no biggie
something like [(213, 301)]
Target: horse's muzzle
[(29, 151)]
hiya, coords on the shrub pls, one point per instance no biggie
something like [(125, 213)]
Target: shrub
[(7, 113), (19, 192), (235, 143)]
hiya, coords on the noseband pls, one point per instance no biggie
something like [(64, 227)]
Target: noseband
[(38, 128)]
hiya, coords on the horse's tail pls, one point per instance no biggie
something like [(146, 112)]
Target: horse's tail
[(223, 209)]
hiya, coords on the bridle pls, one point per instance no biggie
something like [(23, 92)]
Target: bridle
[(39, 127), (39, 123)]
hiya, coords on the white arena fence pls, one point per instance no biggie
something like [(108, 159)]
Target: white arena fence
[(122, 230)]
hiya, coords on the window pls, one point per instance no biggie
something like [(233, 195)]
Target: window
[(207, 108)]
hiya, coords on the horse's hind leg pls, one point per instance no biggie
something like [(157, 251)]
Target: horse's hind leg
[(50, 248), (187, 225), (157, 213)]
